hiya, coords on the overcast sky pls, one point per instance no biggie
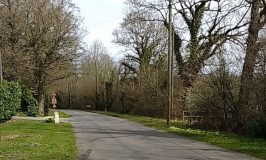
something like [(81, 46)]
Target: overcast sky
[(101, 17)]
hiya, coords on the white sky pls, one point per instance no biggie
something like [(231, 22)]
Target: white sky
[(101, 17)]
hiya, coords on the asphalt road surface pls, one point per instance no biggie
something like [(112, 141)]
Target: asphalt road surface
[(102, 137)]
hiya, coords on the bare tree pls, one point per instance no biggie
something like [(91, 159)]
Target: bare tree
[(142, 77), (201, 27), (145, 42), (45, 33), (11, 45), (98, 69)]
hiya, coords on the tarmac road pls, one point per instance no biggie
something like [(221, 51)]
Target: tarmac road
[(101, 137)]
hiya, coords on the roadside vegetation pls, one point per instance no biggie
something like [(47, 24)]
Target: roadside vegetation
[(219, 72), (16, 98), (252, 146), (50, 113), (61, 114), (23, 140)]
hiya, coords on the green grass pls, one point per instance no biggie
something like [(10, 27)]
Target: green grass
[(252, 146), (61, 114), (24, 140), (22, 114), (50, 113)]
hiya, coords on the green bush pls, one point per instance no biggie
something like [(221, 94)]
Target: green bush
[(10, 99), (257, 128), (29, 104), (49, 120)]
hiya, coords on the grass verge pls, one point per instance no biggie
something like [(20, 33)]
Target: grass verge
[(50, 113), (23, 140), (252, 146), (61, 114)]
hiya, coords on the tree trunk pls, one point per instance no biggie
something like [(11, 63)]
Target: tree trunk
[(108, 92), (41, 104), (122, 100), (245, 108), (40, 89)]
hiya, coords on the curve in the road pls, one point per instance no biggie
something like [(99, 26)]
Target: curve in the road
[(102, 137)]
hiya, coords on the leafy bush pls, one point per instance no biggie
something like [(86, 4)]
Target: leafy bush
[(29, 104), (10, 99), (49, 120), (213, 97), (257, 128)]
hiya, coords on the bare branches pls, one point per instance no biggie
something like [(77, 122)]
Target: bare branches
[(144, 39), (199, 25), (40, 37)]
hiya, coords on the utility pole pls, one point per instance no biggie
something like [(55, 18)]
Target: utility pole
[(96, 80), (1, 68), (1, 63), (170, 64), (70, 100)]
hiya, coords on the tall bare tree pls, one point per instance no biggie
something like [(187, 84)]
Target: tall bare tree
[(11, 45), (201, 27), (145, 42), (45, 33), (98, 70)]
